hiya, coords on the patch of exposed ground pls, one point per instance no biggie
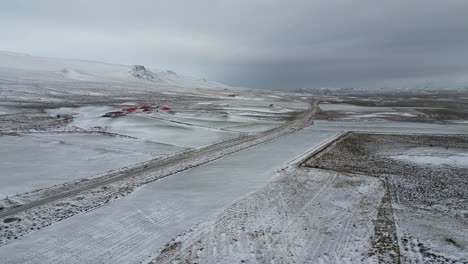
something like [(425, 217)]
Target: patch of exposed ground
[(427, 181), (438, 100), (385, 241), (35, 120), (376, 155), (304, 216), (439, 108)]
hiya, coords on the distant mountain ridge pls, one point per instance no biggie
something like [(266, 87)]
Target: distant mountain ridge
[(430, 89), (94, 71)]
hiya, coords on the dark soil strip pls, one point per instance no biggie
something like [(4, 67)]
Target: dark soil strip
[(384, 244), (324, 147)]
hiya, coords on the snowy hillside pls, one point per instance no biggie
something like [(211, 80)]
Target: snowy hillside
[(45, 69)]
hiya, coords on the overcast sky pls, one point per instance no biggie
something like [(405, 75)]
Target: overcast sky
[(262, 44)]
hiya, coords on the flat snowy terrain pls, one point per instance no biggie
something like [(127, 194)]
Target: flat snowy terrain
[(31, 162), (103, 163), (426, 181), (303, 216), (393, 127), (133, 229), (52, 130)]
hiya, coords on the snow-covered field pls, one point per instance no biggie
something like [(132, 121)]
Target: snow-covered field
[(52, 102), (189, 216), (438, 156), (391, 127), (303, 216), (354, 108), (30, 162), (133, 229), (420, 111), (154, 128), (216, 178), (54, 108), (426, 179)]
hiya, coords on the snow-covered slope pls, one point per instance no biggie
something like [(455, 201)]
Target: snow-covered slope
[(31, 79), (46, 69)]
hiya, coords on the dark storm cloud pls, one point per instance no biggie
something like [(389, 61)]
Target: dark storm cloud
[(265, 44)]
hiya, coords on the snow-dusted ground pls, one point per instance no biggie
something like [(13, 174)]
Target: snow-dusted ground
[(63, 201), (132, 229), (121, 143), (391, 127), (210, 120), (253, 127), (30, 161), (403, 109), (384, 114), (437, 156), (354, 108), (40, 68), (315, 216), (429, 237), (303, 216), (38, 97), (145, 127), (426, 178)]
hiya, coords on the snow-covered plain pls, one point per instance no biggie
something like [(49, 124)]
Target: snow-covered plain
[(303, 216), (40, 68), (243, 205), (436, 156), (136, 227), (390, 127), (350, 112), (354, 108), (425, 176), (145, 127), (54, 108), (30, 162), (133, 229)]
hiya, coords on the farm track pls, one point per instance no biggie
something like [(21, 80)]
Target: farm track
[(213, 152)]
